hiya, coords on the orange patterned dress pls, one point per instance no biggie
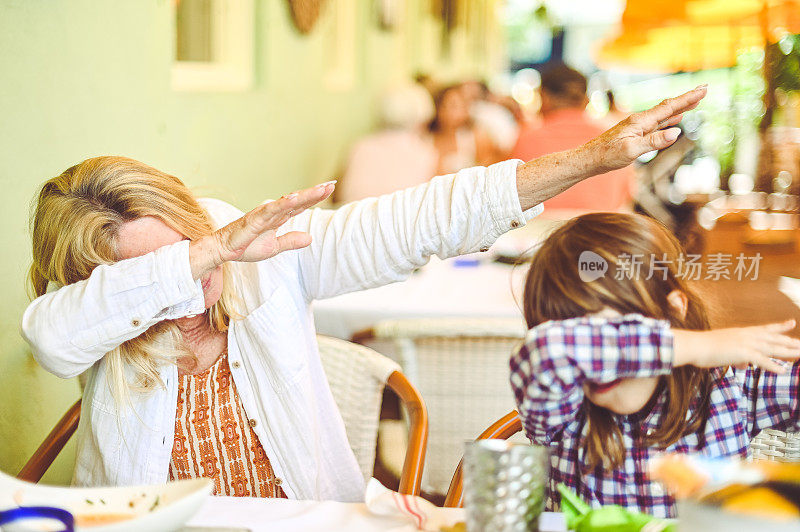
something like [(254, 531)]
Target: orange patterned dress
[(214, 439)]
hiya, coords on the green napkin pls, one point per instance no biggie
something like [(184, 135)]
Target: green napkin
[(582, 518)]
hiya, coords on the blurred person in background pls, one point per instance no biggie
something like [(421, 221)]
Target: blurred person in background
[(398, 157), (427, 82), (458, 142), (491, 116), (565, 125)]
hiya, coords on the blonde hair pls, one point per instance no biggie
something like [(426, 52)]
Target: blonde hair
[(554, 291), (74, 226)]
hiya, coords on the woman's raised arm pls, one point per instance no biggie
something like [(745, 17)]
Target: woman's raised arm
[(377, 241), (382, 240), (547, 176)]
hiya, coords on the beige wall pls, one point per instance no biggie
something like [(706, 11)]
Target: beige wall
[(83, 78)]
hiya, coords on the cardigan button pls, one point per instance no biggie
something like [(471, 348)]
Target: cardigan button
[(253, 422), (514, 224), (236, 364), (135, 322), (484, 249)]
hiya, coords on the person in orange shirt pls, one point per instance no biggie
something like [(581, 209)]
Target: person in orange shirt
[(565, 125)]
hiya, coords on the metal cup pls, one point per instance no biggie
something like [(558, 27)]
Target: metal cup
[(504, 485)]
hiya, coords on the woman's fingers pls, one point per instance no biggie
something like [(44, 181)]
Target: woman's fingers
[(275, 213), (235, 239), (672, 121), (770, 342), (662, 138), (311, 196), (783, 353), (674, 106), (293, 240)]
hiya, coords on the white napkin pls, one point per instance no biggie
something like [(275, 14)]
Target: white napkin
[(419, 512)]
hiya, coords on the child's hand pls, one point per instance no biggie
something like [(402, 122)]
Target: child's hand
[(737, 347)]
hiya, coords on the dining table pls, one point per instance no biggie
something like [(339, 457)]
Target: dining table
[(240, 514)]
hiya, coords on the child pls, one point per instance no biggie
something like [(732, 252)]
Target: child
[(621, 367)]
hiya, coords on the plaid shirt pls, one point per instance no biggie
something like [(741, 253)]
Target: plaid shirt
[(558, 357)]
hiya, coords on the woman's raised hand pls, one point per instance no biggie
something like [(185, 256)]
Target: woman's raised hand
[(253, 237), (643, 132), (542, 178), (738, 346)]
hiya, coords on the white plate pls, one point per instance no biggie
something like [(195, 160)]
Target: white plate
[(153, 508)]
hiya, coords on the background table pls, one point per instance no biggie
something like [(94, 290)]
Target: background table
[(443, 288), (440, 289), (737, 303)]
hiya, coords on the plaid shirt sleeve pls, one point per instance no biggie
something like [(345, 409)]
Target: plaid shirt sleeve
[(558, 357), (772, 400)]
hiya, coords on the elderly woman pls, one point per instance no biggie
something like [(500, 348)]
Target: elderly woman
[(194, 322)]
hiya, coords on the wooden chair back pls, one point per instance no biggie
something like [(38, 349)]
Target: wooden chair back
[(502, 429), (359, 377), (43, 457), (411, 475)]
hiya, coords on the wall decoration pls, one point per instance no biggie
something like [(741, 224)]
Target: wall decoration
[(342, 26), (305, 13), (448, 12), (214, 41), (389, 13)]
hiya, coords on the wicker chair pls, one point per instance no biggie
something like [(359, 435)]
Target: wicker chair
[(357, 377), (776, 445), (460, 367)]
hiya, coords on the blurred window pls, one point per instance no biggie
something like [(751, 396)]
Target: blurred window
[(194, 32), (213, 45)]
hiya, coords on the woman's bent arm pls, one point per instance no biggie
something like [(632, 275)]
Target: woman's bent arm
[(73, 327)]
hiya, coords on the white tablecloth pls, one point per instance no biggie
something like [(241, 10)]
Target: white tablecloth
[(440, 289), (281, 515)]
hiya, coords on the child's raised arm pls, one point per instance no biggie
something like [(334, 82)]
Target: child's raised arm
[(558, 357), (738, 347), (771, 392)]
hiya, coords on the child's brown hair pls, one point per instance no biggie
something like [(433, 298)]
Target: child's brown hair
[(554, 290)]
